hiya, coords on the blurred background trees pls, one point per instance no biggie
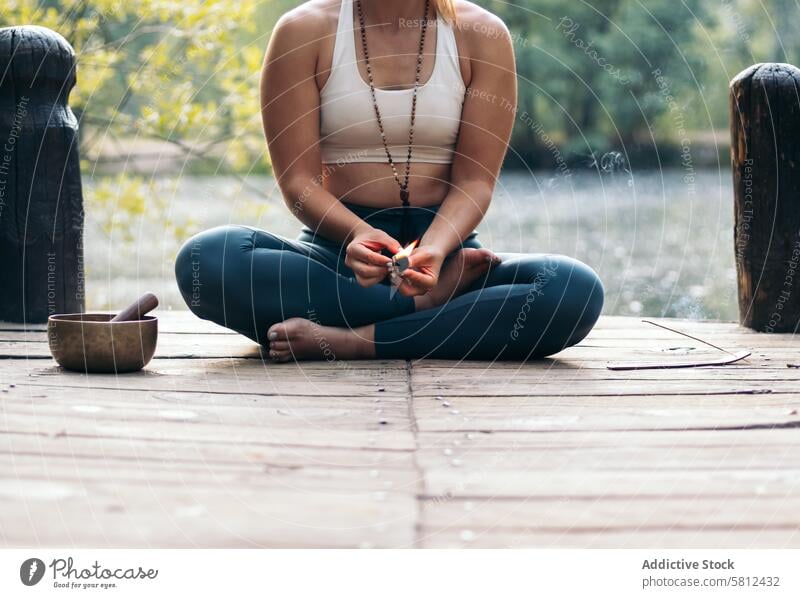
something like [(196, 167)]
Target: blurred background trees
[(587, 71), (182, 72), (185, 73), (165, 88)]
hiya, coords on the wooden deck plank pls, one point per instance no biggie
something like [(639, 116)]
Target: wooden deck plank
[(225, 345), (241, 376), (461, 480), (703, 537), (366, 378), (578, 381), (211, 446), (177, 428), (95, 400), (34, 346), (699, 440), (627, 513), (319, 479), (551, 414), (306, 422), (122, 451), (108, 514)]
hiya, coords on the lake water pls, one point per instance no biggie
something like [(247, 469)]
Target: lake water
[(662, 246)]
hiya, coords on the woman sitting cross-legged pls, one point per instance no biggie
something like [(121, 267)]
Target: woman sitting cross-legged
[(387, 122)]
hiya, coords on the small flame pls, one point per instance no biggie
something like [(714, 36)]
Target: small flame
[(406, 251)]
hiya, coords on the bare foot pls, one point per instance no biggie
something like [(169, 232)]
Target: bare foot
[(298, 338), (460, 271)]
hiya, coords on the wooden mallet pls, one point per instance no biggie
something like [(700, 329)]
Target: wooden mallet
[(135, 311)]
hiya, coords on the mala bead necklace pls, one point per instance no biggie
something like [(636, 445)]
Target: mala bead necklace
[(404, 199)]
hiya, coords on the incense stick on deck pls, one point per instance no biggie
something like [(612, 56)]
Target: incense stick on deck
[(699, 340), (681, 364)]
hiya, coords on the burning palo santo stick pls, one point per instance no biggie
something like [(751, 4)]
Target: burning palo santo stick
[(400, 263)]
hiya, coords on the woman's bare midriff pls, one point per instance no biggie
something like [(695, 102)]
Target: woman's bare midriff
[(373, 185)]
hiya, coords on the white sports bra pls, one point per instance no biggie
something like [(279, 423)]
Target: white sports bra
[(348, 129)]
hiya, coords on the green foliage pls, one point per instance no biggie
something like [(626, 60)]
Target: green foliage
[(182, 72), (588, 70), (594, 76), (185, 72), (123, 205)]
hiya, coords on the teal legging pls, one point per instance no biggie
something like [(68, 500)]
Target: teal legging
[(529, 306)]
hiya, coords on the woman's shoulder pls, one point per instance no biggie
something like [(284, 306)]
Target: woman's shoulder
[(482, 38), (309, 24), (478, 27)]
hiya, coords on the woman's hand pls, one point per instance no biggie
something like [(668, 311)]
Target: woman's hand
[(422, 274), (364, 257)]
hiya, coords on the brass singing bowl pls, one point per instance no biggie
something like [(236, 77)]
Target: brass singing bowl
[(92, 343)]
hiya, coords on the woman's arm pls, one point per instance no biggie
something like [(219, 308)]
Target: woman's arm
[(290, 113), (487, 118)]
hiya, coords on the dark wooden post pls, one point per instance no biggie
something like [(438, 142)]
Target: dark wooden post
[(765, 156), (41, 203)]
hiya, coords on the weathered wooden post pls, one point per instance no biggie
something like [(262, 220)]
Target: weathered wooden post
[(41, 203), (765, 156)]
